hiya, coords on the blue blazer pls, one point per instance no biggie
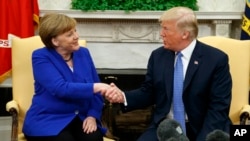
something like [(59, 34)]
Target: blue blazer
[(60, 94), (207, 89)]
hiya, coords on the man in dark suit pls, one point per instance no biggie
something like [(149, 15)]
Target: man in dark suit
[(207, 81)]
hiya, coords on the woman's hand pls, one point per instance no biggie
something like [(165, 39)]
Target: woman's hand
[(89, 125), (101, 88)]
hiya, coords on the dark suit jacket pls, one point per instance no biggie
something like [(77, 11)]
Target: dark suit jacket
[(207, 89)]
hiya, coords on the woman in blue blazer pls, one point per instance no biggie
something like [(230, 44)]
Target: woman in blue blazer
[(67, 104)]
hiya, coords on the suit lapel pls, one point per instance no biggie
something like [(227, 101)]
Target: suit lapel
[(61, 65), (168, 72), (194, 63)]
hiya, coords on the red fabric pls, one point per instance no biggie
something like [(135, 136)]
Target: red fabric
[(18, 17)]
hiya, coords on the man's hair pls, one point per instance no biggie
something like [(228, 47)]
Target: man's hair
[(185, 20), (52, 25)]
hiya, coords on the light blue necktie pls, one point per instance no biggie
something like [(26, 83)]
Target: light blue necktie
[(178, 106)]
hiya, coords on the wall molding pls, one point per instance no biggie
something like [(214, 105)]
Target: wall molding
[(140, 15)]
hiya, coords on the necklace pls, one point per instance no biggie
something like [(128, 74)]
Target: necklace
[(67, 60)]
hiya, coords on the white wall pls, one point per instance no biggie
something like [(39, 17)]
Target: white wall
[(221, 5)]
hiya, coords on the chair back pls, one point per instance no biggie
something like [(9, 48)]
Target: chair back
[(22, 75), (238, 52)]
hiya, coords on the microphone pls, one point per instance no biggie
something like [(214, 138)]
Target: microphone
[(170, 130), (218, 135)]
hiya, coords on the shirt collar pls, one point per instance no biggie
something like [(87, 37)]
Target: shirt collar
[(187, 52)]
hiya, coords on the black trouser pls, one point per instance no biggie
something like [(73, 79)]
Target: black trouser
[(190, 134), (73, 132)]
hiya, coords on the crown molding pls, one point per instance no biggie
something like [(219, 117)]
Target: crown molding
[(147, 15)]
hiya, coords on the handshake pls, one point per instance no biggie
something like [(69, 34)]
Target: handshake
[(111, 92)]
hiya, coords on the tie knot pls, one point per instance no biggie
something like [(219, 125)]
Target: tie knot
[(179, 54)]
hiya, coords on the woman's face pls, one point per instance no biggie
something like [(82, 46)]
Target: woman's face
[(67, 41)]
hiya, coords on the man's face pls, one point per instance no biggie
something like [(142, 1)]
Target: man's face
[(171, 36)]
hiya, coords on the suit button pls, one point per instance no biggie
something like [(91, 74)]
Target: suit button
[(76, 112)]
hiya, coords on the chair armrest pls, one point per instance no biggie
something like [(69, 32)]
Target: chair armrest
[(108, 139), (244, 114), (12, 108), (12, 105)]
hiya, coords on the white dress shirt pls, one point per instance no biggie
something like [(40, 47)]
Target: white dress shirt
[(186, 55)]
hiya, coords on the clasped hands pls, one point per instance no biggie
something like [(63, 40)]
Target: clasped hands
[(111, 92)]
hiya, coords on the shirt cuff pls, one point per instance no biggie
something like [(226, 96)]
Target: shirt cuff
[(125, 100)]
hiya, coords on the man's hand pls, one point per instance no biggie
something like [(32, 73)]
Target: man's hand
[(114, 94)]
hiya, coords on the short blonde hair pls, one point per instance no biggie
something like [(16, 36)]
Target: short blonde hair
[(185, 19), (52, 25)]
